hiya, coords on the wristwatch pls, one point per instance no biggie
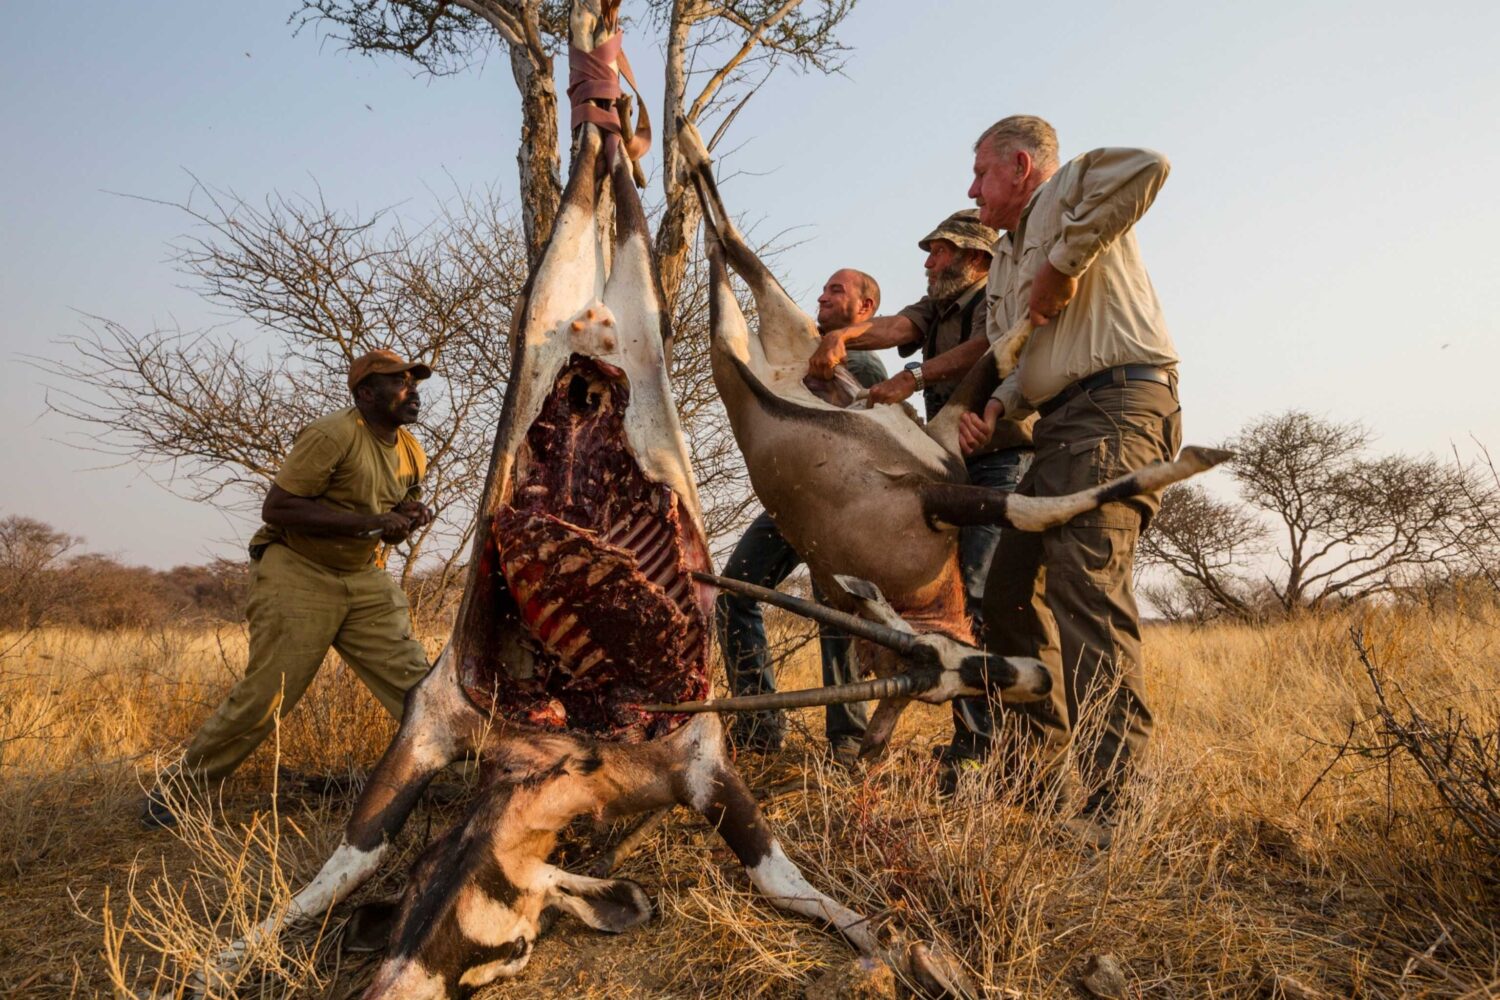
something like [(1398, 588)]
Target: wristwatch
[(915, 367)]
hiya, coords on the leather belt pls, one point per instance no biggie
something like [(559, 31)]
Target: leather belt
[(1109, 376)]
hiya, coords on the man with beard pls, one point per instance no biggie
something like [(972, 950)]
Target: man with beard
[(948, 326), (763, 557), (349, 484)]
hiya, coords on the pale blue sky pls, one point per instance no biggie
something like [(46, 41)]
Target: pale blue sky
[(1325, 241)]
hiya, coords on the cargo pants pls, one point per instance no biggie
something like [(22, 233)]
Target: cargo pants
[(764, 557), (999, 470), (297, 610), (1066, 596)]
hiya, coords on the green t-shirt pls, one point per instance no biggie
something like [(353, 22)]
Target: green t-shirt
[(339, 462), (866, 367)]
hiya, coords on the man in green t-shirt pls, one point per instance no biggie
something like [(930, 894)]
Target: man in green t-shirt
[(349, 484)]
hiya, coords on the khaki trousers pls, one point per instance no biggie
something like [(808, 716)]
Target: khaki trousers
[(1066, 596), (297, 610)]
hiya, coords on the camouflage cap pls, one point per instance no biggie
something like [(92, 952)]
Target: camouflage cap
[(384, 362), (964, 230)]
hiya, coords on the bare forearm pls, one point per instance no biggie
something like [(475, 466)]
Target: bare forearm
[(953, 365), (290, 512), (882, 331), (879, 333)]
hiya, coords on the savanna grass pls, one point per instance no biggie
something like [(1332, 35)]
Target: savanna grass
[(1256, 861)]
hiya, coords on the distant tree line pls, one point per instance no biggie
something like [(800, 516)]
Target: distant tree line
[(1320, 523), (45, 581)]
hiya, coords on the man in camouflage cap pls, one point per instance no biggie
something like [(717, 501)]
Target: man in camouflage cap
[(948, 326), (348, 489)]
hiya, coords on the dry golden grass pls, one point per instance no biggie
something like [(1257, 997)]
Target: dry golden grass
[(1240, 875)]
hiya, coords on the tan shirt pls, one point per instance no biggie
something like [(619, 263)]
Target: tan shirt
[(339, 462), (1081, 221), (942, 326)]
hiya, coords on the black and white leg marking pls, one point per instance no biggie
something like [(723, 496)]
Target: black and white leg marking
[(717, 791)]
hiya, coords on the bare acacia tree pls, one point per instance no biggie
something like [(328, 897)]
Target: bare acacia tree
[(717, 51), (1206, 542), (217, 410), (448, 36), (1346, 526)]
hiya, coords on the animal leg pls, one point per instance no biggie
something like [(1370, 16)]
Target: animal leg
[(882, 727), (438, 727), (957, 505), (571, 271), (786, 333), (633, 298), (716, 790), (883, 663)]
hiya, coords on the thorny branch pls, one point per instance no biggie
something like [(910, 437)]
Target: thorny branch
[(1457, 754)]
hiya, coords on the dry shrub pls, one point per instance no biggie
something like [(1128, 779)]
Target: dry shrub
[(1457, 753), (1239, 874)]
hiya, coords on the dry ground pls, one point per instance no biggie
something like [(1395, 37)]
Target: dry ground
[(1242, 875)]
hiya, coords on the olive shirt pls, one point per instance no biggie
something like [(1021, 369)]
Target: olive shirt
[(866, 367), (339, 462), (942, 326), (1081, 221)]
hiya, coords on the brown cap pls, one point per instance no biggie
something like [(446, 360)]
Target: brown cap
[(964, 230), (384, 362)]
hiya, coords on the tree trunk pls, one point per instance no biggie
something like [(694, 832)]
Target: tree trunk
[(541, 180), (674, 237)]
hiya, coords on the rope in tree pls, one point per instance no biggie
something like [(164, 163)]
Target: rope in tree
[(596, 96)]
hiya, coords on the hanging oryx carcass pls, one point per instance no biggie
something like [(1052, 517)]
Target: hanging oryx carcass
[(580, 612), (867, 492)]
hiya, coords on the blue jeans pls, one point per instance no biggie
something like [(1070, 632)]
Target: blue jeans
[(764, 557), (999, 470)]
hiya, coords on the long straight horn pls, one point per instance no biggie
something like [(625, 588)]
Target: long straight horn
[(898, 686), (901, 642)]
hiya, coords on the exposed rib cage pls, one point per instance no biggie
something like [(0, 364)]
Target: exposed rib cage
[(592, 552)]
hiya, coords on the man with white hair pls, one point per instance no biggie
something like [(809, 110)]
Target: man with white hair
[(1100, 372)]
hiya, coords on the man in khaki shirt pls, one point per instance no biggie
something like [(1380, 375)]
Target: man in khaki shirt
[(948, 325), (349, 484), (1101, 373)]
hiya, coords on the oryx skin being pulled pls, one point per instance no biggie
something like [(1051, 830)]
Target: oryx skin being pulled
[(889, 491), (580, 608)]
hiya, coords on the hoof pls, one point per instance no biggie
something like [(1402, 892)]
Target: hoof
[(690, 144), (935, 973)]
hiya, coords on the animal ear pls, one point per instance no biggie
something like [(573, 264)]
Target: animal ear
[(613, 905), (863, 589), (369, 927), (874, 606), (841, 390)]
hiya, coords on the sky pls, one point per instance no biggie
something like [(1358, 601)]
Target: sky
[(1325, 240)]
